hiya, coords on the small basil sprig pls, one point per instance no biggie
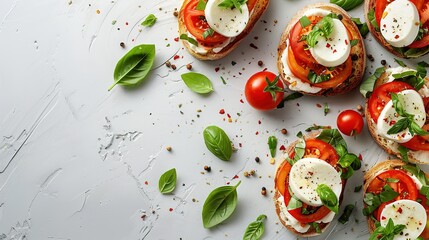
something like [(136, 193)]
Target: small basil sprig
[(388, 232), (219, 205), (316, 127), (333, 137), (272, 145), (149, 21), (201, 5), (407, 121), (255, 230), (208, 33), (197, 82), (373, 20), (415, 78), (347, 4), (134, 66), (304, 21), (323, 28), (218, 142), (363, 27), (189, 39), (167, 181), (346, 214), (294, 202), (328, 197), (373, 201), (314, 78), (299, 149), (367, 85), (347, 160), (232, 4), (290, 97)]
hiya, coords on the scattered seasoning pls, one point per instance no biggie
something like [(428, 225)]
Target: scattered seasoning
[(326, 109), (264, 191), (253, 46), (188, 66), (114, 22), (246, 174), (122, 44), (98, 11), (207, 168), (222, 111), (176, 57), (257, 159), (233, 63), (383, 62), (284, 131), (355, 57), (223, 80), (260, 63), (272, 161), (143, 217), (168, 64), (282, 148), (173, 66), (217, 69), (359, 108), (358, 188), (370, 57), (252, 172), (175, 13), (171, 209), (168, 148)]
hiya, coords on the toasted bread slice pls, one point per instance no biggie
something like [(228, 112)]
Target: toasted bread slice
[(370, 4), (389, 146), (357, 52), (258, 10)]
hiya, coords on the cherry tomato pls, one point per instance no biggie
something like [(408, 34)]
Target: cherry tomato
[(264, 90), (350, 122), (313, 148), (381, 96)]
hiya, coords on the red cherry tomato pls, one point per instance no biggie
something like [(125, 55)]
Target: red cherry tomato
[(350, 122), (260, 94)]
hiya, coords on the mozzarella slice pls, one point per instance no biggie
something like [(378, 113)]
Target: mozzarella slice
[(334, 50), (308, 173), (413, 104), (225, 21), (400, 23), (407, 212)]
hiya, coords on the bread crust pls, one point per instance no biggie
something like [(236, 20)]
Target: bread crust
[(258, 10), (368, 5), (385, 144), (358, 51), (311, 231), (372, 173)]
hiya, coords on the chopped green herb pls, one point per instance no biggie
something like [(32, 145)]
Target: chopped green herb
[(189, 39), (304, 21), (348, 210), (149, 21)]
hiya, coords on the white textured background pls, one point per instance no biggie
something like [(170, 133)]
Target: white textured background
[(79, 162)]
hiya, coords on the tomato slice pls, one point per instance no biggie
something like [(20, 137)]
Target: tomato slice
[(380, 5), (405, 186), (338, 75), (417, 143), (251, 4), (381, 96), (300, 51), (420, 43), (313, 148)]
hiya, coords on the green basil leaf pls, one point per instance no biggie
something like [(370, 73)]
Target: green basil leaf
[(189, 39), (399, 126), (377, 232), (416, 129), (392, 180), (372, 201), (416, 52), (358, 188), (404, 74), (417, 172), (403, 151), (328, 197), (149, 21), (314, 78), (346, 214), (299, 149), (353, 42), (373, 20), (333, 137), (197, 82), (323, 28), (316, 226), (400, 63), (356, 164), (316, 127), (219, 205), (367, 85), (218, 142), (363, 27), (346, 174), (208, 32), (346, 160), (388, 194), (326, 109), (272, 145), (201, 5), (255, 230), (134, 66), (167, 181), (294, 203), (304, 21), (341, 150), (347, 4), (425, 191), (398, 229), (289, 97)]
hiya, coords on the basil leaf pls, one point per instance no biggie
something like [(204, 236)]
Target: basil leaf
[(294, 203), (404, 74), (272, 145), (219, 205), (403, 151), (299, 149), (218, 142), (232, 4), (134, 66), (197, 82), (289, 97), (416, 129), (323, 28), (400, 63), (392, 180), (341, 150), (367, 85), (316, 127), (416, 52), (419, 174), (304, 21), (372, 201), (347, 4), (358, 188), (373, 20), (363, 27), (167, 181), (189, 39), (332, 136), (201, 5), (255, 230), (399, 126), (388, 194), (346, 160), (326, 109), (316, 226), (425, 191), (346, 214), (353, 42), (328, 197), (149, 21), (208, 32), (347, 174)]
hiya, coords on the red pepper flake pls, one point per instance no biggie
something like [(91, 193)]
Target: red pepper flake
[(217, 69), (318, 105), (253, 46), (399, 210), (229, 116), (227, 183), (235, 177), (347, 42), (171, 209), (265, 69), (396, 36), (335, 50), (222, 111), (126, 23), (176, 39), (240, 145), (132, 40), (256, 133), (282, 148), (241, 100), (392, 122), (176, 57), (259, 122), (328, 45), (383, 217), (360, 157), (146, 183)]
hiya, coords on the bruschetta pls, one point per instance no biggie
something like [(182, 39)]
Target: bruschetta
[(395, 201), (400, 26), (310, 181), (211, 29), (397, 110), (321, 52)]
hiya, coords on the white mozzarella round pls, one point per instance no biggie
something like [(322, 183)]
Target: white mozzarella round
[(225, 21), (400, 23), (413, 104), (307, 174), (407, 212), (333, 50)]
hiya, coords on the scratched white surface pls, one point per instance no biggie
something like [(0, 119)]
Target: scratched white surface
[(79, 162)]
